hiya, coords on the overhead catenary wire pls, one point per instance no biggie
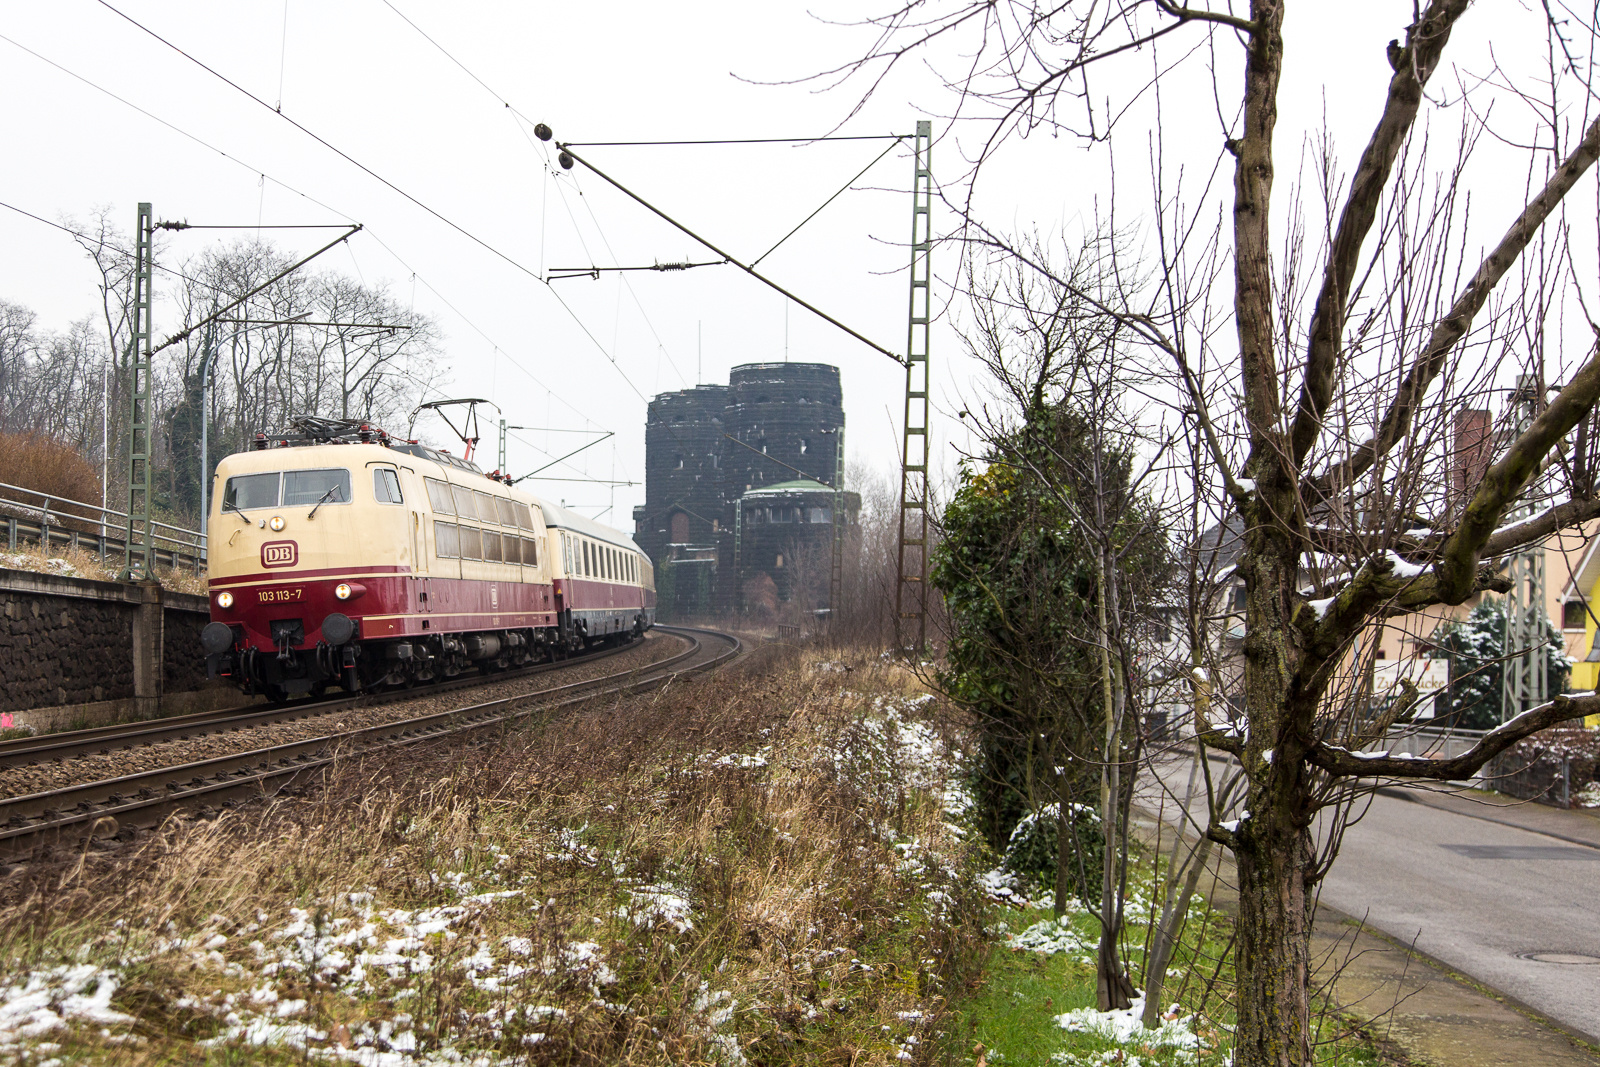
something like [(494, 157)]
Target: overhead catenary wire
[(743, 140), (251, 168), (451, 223), (641, 201)]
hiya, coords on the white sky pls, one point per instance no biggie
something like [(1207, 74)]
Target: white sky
[(355, 73)]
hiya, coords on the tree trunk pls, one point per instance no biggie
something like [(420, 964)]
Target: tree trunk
[(1113, 989), (1274, 932)]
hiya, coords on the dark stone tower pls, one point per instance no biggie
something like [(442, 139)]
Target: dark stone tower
[(791, 413), (777, 430)]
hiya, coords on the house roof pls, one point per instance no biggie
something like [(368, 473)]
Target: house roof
[(1583, 579)]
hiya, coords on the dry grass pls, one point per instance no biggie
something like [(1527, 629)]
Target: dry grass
[(754, 867), (82, 563), (46, 465)]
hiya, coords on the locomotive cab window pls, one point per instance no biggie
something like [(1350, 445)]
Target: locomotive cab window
[(386, 486), (246, 491), (310, 488)]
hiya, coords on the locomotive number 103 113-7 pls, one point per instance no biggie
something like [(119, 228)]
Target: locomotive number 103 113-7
[(277, 596)]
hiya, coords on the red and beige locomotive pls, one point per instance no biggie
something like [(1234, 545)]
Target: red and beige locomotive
[(340, 558)]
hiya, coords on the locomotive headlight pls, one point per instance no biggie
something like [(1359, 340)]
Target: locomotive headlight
[(276, 524), (342, 591), (224, 600)]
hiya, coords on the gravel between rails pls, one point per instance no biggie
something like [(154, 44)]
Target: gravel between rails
[(22, 781)]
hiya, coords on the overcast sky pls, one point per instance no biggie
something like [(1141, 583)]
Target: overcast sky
[(359, 76)]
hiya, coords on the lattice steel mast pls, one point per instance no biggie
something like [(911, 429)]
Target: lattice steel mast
[(138, 540), (911, 590)]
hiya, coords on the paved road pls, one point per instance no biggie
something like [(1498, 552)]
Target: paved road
[(1482, 898)]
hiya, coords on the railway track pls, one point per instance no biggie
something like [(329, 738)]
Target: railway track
[(21, 751), (75, 813)]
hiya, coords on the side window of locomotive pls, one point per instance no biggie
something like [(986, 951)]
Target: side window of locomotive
[(471, 543), (507, 511), (530, 552), (464, 505), (439, 496), (446, 539), (491, 547), (246, 491), (310, 488), (524, 516), (386, 486), (486, 510)]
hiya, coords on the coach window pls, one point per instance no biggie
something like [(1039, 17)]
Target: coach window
[(439, 496), (486, 510), (386, 485), (508, 514), (524, 516), (491, 547), (446, 540), (310, 488), (471, 543), (464, 505)]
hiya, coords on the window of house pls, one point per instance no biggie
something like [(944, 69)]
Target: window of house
[(1574, 615)]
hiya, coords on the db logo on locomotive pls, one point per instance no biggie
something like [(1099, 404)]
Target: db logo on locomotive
[(280, 554)]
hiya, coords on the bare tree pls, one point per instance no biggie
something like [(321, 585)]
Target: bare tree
[(1322, 370)]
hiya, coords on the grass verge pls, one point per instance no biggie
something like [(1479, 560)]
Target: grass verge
[(757, 867)]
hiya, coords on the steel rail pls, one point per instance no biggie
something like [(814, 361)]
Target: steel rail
[(20, 751), (75, 813)]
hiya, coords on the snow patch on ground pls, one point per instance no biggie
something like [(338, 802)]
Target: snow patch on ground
[(1125, 1028), (39, 1002), (1050, 937)]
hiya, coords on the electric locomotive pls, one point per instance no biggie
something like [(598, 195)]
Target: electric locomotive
[(341, 558)]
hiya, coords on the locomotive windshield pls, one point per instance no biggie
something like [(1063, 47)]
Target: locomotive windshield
[(313, 487), (245, 492)]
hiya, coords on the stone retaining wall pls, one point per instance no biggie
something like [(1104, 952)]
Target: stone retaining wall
[(79, 652)]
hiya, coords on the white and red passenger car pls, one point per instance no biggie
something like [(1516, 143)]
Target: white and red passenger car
[(360, 563)]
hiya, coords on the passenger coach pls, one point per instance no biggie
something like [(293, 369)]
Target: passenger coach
[(343, 559)]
